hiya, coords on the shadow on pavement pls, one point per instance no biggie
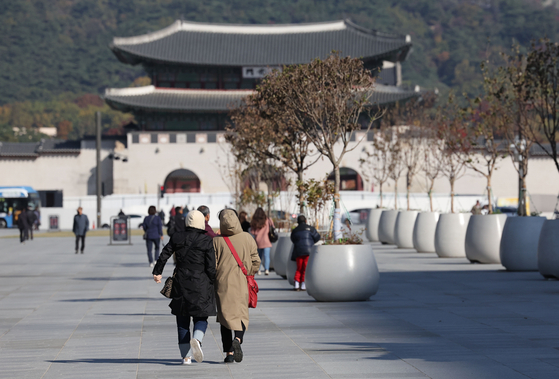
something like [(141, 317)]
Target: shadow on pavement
[(134, 361), (103, 278), (114, 299)]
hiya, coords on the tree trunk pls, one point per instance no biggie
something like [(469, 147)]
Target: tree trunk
[(396, 194), (380, 194), (452, 195), (523, 169), (408, 186), (301, 193), (337, 225), (430, 193), (489, 203)]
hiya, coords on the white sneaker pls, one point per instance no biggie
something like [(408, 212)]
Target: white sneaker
[(297, 286), (303, 287), (151, 265), (186, 361), (267, 272), (259, 272), (197, 352)]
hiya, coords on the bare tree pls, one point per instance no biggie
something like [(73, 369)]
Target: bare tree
[(326, 100), (432, 162), (452, 132), (261, 128), (542, 93), (375, 163), (395, 161), (487, 121)]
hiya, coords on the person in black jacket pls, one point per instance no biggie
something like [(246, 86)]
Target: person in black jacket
[(31, 218), (303, 237), (23, 226), (193, 293)]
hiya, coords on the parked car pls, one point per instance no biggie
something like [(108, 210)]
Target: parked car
[(509, 211), (357, 216)]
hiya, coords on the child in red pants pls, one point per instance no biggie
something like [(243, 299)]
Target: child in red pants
[(303, 237)]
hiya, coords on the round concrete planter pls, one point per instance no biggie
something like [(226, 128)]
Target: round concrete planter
[(403, 229), (519, 243), (424, 232), (450, 235), (372, 225), (548, 249), (282, 255), (272, 253), (342, 273), (386, 226), (483, 238), (291, 270)]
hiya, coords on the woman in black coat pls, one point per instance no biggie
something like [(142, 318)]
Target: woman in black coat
[(193, 286)]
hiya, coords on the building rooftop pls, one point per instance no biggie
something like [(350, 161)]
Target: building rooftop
[(34, 149), (194, 43), (190, 100)]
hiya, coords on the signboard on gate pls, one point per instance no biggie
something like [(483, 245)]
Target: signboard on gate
[(53, 222), (119, 229)]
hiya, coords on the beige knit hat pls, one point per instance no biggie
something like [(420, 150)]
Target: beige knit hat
[(195, 219)]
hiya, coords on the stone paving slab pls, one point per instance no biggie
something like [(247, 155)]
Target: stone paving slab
[(99, 315)]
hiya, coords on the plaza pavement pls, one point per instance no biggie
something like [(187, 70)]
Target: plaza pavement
[(100, 315)]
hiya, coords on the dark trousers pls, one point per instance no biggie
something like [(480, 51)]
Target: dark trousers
[(23, 234), (78, 242), (31, 232), (149, 243), (183, 329), (227, 337)]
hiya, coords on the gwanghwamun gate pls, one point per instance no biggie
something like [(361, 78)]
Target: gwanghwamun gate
[(198, 71)]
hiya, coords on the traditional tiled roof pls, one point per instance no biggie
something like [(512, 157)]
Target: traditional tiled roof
[(202, 100), (259, 45), (34, 149), (15, 149)]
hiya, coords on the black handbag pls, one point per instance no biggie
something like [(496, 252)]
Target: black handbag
[(168, 286), (272, 234)]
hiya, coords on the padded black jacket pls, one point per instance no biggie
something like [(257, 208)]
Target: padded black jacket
[(303, 237)]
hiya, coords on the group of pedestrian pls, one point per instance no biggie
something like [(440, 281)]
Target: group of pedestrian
[(27, 220), (208, 281)]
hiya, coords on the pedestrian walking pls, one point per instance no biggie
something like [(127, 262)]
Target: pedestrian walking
[(244, 223), (80, 228), (206, 212), (37, 218), (193, 293), (303, 237), (231, 282), (260, 228), (476, 209), (31, 218), (176, 222), (161, 215), (23, 226), (153, 233)]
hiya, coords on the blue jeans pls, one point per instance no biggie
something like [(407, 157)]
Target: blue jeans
[(183, 329), (264, 255), (149, 243)]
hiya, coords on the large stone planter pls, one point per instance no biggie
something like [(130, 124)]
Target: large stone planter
[(291, 268), (282, 255), (342, 273), (548, 249), (403, 229), (273, 253), (483, 238), (519, 243), (424, 232), (372, 225), (450, 235), (386, 226)]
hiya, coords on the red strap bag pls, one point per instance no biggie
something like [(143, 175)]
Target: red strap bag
[(252, 285)]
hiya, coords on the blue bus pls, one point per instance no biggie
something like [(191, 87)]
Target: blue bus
[(13, 200)]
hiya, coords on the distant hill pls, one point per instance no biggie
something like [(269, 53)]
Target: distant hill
[(56, 50)]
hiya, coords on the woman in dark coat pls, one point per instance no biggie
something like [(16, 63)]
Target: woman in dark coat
[(193, 291)]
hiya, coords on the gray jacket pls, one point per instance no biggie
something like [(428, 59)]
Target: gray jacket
[(81, 225)]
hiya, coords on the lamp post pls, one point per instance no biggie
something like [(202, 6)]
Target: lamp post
[(98, 171)]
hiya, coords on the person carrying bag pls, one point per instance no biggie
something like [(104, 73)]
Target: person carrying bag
[(231, 282)]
